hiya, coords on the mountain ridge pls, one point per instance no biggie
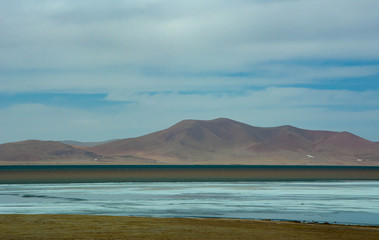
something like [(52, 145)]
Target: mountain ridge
[(224, 141)]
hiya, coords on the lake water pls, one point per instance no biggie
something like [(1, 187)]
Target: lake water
[(345, 202)]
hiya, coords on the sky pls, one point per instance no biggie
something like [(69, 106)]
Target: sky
[(99, 70)]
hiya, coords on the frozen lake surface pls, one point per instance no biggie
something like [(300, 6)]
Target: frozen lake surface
[(345, 202)]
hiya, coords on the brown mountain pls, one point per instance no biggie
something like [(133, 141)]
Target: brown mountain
[(219, 141), (224, 141), (43, 152)]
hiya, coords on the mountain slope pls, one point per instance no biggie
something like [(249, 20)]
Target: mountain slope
[(218, 141), (224, 141), (34, 151)]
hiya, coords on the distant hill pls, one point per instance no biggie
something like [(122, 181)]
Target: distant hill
[(218, 141), (35, 152), (224, 141)]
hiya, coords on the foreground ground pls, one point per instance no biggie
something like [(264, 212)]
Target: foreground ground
[(110, 227)]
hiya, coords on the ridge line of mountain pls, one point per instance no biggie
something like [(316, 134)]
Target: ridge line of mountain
[(218, 141)]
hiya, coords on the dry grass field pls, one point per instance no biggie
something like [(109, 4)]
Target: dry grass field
[(112, 227)]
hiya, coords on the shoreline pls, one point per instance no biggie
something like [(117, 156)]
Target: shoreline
[(180, 173), (45, 226)]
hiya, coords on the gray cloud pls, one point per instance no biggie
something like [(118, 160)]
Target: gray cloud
[(189, 36), (240, 59)]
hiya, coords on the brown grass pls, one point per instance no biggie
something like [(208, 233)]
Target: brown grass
[(111, 227)]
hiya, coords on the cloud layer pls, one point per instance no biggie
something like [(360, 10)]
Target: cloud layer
[(148, 64)]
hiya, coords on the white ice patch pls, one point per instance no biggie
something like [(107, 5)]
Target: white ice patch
[(310, 156), (359, 160)]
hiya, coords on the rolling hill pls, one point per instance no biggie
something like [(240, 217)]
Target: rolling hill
[(218, 141), (42, 152), (224, 141)]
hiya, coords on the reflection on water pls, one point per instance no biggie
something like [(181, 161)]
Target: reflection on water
[(341, 202)]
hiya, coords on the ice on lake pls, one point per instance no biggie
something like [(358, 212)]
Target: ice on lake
[(346, 202)]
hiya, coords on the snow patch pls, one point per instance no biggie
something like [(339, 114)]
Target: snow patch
[(310, 156)]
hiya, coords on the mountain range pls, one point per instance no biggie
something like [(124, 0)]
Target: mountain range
[(218, 141)]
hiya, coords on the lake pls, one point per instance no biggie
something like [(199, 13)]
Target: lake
[(344, 202)]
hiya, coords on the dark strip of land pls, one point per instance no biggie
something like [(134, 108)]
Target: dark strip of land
[(67, 174), (112, 227)]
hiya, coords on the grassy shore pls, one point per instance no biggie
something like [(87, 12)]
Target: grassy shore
[(111, 227)]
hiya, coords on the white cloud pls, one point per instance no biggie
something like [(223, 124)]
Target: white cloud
[(72, 46), (191, 36)]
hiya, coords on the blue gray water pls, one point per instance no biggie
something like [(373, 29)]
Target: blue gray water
[(345, 202)]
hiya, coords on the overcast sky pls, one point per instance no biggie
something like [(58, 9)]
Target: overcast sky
[(99, 70)]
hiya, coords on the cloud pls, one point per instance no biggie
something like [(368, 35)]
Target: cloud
[(313, 64), (72, 46), (167, 35), (120, 83)]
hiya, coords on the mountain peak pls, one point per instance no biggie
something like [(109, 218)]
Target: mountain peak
[(225, 140), (189, 124), (192, 121)]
